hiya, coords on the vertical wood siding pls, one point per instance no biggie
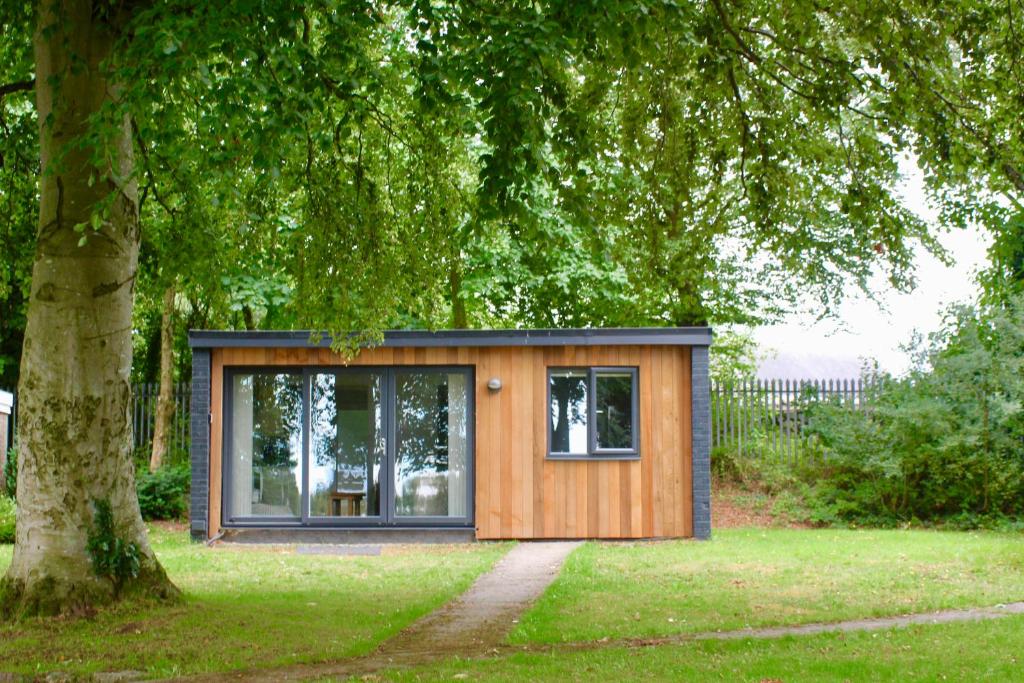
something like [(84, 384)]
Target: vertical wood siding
[(519, 492)]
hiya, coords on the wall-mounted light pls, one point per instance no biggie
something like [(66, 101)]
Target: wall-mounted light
[(494, 384)]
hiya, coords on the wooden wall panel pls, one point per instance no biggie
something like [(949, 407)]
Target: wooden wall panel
[(216, 434), (519, 493)]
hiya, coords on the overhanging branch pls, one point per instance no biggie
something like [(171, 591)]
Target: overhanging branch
[(19, 86)]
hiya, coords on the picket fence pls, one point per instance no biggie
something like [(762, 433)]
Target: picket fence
[(755, 417), (766, 417), (144, 397)]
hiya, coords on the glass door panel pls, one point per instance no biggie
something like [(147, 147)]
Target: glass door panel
[(347, 444), (432, 445), (266, 445)]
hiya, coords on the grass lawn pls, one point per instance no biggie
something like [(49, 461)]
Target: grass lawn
[(761, 577), (992, 650), (248, 607)]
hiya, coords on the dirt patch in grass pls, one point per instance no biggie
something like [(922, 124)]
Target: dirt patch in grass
[(733, 507), (169, 526)]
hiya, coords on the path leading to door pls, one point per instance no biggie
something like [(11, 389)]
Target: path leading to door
[(480, 619), (475, 624), (470, 626)]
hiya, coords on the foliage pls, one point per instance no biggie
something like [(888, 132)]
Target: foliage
[(942, 444), (533, 164), (19, 171), (163, 494), (10, 472), (7, 514), (734, 356), (112, 557)]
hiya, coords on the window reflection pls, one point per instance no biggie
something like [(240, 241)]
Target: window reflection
[(569, 411), (266, 446), (431, 457), (346, 445), (614, 398)]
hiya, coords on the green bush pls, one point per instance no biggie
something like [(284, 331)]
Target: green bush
[(112, 557), (164, 494), (6, 519), (942, 445)]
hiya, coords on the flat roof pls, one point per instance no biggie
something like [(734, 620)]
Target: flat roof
[(605, 336)]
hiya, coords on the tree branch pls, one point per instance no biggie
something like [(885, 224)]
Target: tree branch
[(18, 86)]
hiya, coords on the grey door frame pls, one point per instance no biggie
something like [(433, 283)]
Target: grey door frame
[(389, 402)]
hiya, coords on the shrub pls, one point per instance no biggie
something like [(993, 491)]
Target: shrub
[(940, 445), (112, 557), (164, 494), (6, 519)]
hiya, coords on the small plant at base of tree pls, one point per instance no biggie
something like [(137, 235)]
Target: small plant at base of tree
[(112, 557)]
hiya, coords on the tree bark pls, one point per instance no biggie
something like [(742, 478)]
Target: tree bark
[(165, 400), (74, 427), (459, 320)]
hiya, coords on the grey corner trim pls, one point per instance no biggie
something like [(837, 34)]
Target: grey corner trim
[(199, 448), (662, 336), (700, 400)]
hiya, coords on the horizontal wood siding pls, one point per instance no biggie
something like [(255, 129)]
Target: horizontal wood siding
[(519, 492)]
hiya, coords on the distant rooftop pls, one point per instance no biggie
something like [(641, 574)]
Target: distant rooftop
[(809, 366)]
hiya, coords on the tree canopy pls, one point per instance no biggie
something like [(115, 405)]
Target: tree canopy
[(351, 165)]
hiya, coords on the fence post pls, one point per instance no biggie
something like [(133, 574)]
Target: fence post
[(6, 408)]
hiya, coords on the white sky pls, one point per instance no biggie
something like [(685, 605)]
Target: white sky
[(863, 329)]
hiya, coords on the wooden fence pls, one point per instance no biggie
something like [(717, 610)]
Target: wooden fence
[(144, 397), (765, 418)]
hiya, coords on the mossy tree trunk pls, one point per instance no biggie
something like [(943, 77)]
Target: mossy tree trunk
[(165, 399), (74, 427)]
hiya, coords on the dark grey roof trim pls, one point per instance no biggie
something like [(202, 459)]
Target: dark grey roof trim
[(678, 336)]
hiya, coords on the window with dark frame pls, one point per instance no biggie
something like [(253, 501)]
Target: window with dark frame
[(361, 446), (593, 412)]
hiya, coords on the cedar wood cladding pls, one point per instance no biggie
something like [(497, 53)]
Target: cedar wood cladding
[(519, 493)]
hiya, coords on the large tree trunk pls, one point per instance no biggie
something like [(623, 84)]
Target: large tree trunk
[(165, 400), (74, 427)]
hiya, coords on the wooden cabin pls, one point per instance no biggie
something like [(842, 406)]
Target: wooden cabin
[(504, 434)]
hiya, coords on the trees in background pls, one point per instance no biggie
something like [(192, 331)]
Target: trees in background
[(352, 165)]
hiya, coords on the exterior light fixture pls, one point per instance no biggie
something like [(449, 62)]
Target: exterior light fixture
[(494, 384)]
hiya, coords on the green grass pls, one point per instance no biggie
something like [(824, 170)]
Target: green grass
[(992, 650), (247, 607), (761, 577)]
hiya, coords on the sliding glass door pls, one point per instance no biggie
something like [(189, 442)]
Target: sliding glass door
[(348, 446), (432, 444), (264, 446)]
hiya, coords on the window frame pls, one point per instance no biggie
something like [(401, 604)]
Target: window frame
[(386, 519), (593, 452)]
